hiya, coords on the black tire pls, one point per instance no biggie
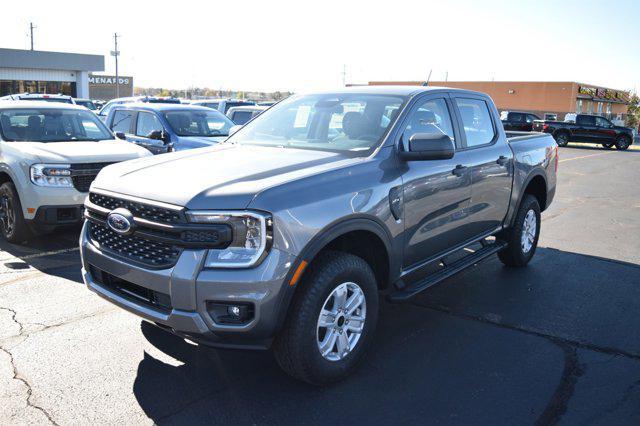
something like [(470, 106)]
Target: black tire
[(607, 145), (514, 254), (12, 224), (562, 138), (623, 142), (296, 348)]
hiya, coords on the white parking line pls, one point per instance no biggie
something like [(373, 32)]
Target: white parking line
[(43, 254), (585, 156)]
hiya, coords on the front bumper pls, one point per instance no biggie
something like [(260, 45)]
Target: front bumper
[(34, 197), (189, 288)]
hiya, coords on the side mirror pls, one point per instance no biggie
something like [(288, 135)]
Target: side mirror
[(160, 135), (234, 129), (428, 146), (120, 135)]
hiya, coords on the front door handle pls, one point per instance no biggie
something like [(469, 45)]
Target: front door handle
[(502, 160), (459, 170)]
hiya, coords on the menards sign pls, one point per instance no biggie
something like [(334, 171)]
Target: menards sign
[(95, 79), (601, 93)]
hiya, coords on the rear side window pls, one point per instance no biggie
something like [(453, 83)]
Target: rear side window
[(476, 120), (241, 117), (147, 123), (516, 116), (122, 121)]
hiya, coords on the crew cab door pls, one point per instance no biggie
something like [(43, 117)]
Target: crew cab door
[(605, 132), (489, 160), (146, 123), (436, 193), (585, 129)]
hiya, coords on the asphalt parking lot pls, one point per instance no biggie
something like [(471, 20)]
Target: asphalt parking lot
[(557, 341)]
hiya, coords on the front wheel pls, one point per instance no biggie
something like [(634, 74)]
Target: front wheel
[(623, 142), (332, 320), (12, 224), (522, 238)]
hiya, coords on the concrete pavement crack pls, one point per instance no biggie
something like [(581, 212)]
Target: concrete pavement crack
[(17, 377)]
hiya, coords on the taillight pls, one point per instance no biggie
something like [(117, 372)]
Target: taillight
[(557, 159), (545, 126)]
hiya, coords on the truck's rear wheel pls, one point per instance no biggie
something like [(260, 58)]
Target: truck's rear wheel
[(522, 238), (562, 138), (12, 224), (332, 320), (623, 142)]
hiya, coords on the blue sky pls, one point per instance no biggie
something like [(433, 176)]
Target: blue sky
[(293, 45)]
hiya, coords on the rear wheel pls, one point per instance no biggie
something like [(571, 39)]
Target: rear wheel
[(12, 224), (331, 321), (562, 138), (623, 142), (522, 238)]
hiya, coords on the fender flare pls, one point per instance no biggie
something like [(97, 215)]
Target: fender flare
[(319, 241), (536, 172)]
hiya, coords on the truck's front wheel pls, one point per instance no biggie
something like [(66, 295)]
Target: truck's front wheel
[(332, 320), (522, 238), (12, 224), (562, 138)]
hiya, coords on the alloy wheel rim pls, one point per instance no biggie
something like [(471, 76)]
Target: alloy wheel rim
[(529, 229), (341, 321)]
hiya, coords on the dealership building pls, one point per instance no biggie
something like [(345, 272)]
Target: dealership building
[(35, 71), (542, 98)]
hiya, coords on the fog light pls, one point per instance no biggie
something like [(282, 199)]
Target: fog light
[(228, 313)]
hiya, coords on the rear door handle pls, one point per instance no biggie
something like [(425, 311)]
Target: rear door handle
[(502, 160), (459, 170)]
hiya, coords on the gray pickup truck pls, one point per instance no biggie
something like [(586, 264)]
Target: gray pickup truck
[(285, 235)]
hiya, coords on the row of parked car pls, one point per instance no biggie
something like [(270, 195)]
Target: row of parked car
[(585, 128)]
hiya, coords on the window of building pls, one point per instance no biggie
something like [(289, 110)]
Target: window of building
[(599, 108), (12, 87), (579, 106), (476, 120)]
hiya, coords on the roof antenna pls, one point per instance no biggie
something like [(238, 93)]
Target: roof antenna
[(426, 83)]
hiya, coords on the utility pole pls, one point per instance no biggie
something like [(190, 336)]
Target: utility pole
[(344, 75), (446, 76), (31, 27), (115, 53)]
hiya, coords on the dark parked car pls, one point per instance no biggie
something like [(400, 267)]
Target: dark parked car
[(284, 235), (518, 121), (587, 128), (162, 127)]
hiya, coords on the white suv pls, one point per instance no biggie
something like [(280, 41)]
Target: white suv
[(49, 155)]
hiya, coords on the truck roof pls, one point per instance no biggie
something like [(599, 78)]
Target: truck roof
[(161, 107), (6, 104), (397, 90)]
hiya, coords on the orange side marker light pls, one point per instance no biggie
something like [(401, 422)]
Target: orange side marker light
[(296, 275)]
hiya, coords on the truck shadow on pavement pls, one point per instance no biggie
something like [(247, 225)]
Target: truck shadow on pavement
[(55, 254), (491, 345)]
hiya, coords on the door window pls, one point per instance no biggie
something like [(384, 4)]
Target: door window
[(516, 117), (430, 117), (601, 122), (476, 121), (122, 121), (147, 122)]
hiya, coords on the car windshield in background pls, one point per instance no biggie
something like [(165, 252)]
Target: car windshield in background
[(349, 123), (198, 123), (231, 104), (51, 125), (86, 104)]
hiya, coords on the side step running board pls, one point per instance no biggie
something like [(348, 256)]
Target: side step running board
[(446, 272)]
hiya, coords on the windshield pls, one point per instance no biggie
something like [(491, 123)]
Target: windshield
[(354, 123), (51, 125), (198, 122), (86, 104)]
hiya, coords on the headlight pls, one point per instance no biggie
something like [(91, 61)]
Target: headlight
[(252, 237), (56, 175)]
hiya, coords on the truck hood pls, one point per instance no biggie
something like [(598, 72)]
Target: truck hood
[(81, 152), (197, 141), (225, 176)]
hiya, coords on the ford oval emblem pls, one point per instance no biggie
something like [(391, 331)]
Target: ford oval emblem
[(120, 221)]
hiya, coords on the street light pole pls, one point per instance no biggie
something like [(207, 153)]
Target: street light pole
[(115, 53), (31, 27)]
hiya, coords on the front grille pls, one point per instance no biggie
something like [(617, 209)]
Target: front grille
[(131, 291), (150, 253), (83, 174), (141, 210)]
